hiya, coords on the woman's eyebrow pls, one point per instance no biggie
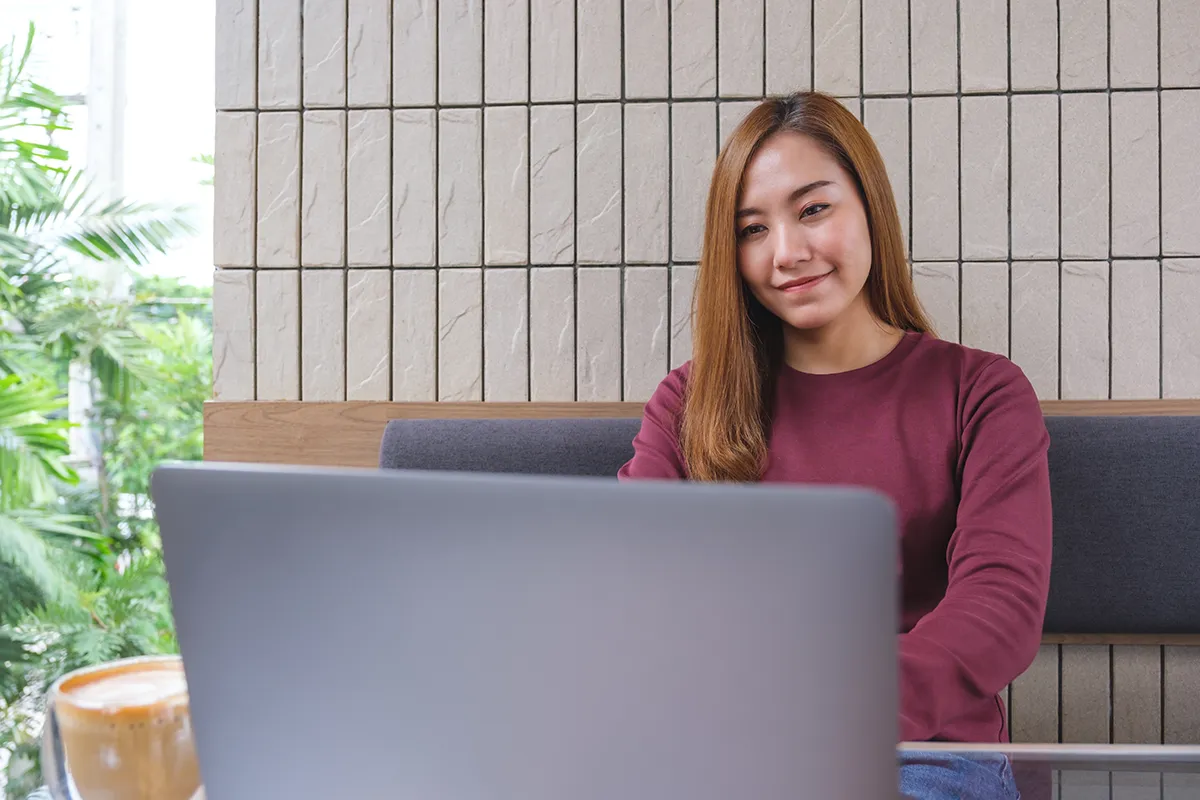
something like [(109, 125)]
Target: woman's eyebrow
[(793, 197)]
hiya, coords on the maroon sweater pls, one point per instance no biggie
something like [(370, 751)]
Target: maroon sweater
[(956, 438)]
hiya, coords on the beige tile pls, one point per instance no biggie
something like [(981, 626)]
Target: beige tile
[(1034, 699), (934, 46), (598, 354), (740, 56), (414, 52), (598, 196), (1083, 43), (887, 122), (460, 335), (323, 208), (236, 54), (1134, 171), (1034, 199), (599, 42), (278, 200), (731, 115), (983, 28), (693, 133), (279, 54), (506, 185), (1180, 56), (506, 51), (693, 48), (460, 51), (323, 335), (885, 46), (935, 178), (552, 50), (1180, 173), (1136, 320), (1033, 44), (646, 54), (1085, 304), (277, 337), (414, 335), (985, 177), (647, 182), (1180, 333), (505, 335), (647, 330), (1137, 698), (937, 289), (1035, 324), (837, 41), (789, 48), (368, 62), (1134, 44), (552, 334), (414, 188), (1181, 684), (236, 150), (552, 184), (233, 334), (324, 54), (683, 283), (460, 187), (1085, 694), (985, 306), (1085, 190), (368, 334), (369, 188)]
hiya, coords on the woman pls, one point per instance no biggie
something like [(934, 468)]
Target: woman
[(814, 362)]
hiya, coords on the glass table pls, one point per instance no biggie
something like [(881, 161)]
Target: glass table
[(1089, 771)]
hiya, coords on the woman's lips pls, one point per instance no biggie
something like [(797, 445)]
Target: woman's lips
[(803, 284)]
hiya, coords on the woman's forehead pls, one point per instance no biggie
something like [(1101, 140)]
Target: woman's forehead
[(784, 161)]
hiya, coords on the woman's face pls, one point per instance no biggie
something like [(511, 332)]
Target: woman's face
[(804, 247)]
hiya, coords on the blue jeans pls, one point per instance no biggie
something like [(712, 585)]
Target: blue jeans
[(947, 776)]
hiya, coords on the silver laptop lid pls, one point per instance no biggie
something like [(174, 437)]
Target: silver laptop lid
[(361, 634)]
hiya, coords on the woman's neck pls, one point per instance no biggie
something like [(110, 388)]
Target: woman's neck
[(855, 340)]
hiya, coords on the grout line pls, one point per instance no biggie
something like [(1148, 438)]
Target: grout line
[(1009, 157), (575, 197), (437, 206), (621, 218), (1058, 112), (1158, 92), (764, 64), (391, 188), (958, 117), (908, 95), (670, 191), (1109, 155), (528, 201), (812, 44), (345, 115), (300, 228), (254, 210), (483, 200)]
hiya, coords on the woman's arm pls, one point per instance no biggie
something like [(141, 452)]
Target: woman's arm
[(987, 628), (656, 450)]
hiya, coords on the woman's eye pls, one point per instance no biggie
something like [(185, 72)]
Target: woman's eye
[(750, 230), (814, 209)]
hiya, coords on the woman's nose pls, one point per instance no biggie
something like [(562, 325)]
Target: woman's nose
[(791, 247)]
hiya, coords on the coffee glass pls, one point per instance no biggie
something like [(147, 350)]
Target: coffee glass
[(121, 730)]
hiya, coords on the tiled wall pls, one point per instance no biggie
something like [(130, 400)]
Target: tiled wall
[(501, 199)]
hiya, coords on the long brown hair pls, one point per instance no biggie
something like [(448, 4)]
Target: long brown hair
[(737, 344)]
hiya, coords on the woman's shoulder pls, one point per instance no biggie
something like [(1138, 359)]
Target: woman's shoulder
[(980, 378), (669, 394)]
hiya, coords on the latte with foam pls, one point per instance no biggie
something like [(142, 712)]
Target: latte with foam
[(126, 731)]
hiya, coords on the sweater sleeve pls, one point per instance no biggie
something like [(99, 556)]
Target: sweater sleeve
[(656, 450), (987, 628)]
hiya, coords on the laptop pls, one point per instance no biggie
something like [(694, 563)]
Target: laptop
[(423, 635)]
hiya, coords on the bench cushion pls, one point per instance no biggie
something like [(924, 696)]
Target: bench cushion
[(1126, 495)]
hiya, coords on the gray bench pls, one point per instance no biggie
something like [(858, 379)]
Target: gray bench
[(1126, 494)]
